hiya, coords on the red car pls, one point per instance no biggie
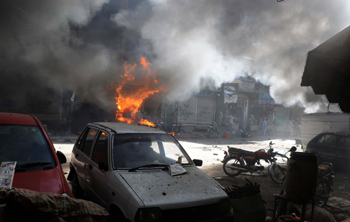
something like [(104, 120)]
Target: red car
[(24, 139)]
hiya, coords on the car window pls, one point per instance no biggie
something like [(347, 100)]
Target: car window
[(171, 149), (133, 150), (80, 141), (86, 145), (25, 144), (344, 142), (99, 153), (327, 139)]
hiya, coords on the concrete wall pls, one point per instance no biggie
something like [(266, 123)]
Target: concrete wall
[(313, 124)]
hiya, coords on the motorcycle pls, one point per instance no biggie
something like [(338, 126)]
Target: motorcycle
[(324, 183), (324, 186), (213, 130), (244, 134), (238, 160)]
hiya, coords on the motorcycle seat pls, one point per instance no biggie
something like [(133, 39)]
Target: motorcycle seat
[(325, 168), (237, 150)]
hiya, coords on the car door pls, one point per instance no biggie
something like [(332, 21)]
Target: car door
[(326, 147), (343, 151), (97, 169), (82, 154)]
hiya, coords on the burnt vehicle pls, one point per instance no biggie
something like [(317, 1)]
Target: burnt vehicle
[(331, 147), (141, 173)]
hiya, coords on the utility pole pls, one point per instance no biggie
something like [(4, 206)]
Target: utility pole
[(124, 5)]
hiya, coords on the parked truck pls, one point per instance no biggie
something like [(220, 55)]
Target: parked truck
[(315, 123)]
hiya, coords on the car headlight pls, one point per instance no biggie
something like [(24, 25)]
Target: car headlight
[(224, 206), (148, 214)]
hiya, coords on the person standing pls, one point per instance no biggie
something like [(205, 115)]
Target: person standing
[(264, 126)]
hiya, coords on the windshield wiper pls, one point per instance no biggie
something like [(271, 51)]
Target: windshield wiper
[(148, 165), (34, 164)]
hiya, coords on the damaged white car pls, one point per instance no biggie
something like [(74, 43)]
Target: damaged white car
[(143, 174)]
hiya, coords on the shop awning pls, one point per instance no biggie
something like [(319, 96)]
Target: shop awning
[(327, 69)]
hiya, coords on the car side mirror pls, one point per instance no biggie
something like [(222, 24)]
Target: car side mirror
[(61, 157), (102, 166), (198, 162)]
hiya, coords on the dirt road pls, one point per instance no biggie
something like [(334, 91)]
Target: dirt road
[(338, 205), (211, 151)]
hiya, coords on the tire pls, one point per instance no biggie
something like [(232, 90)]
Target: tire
[(116, 215), (276, 173), (76, 189), (322, 194), (280, 208), (211, 133), (229, 161)]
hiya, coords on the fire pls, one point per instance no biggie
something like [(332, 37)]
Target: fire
[(132, 91), (146, 122), (144, 63)]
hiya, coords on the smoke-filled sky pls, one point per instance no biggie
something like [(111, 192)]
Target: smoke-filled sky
[(70, 43)]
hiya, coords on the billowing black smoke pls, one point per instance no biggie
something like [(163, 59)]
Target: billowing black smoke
[(223, 39), (79, 46)]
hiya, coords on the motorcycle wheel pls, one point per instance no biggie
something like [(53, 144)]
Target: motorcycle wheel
[(322, 194), (231, 161), (276, 173), (209, 133), (76, 189), (212, 133)]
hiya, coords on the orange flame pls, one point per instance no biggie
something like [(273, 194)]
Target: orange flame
[(144, 63), (146, 122), (131, 92)]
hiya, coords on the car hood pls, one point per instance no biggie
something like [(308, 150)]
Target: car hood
[(48, 181), (159, 188)]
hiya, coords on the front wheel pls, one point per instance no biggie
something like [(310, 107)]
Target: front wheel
[(208, 133), (276, 173), (211, 132), (76, 189), (229, 165), (322, 194), (116, 215)]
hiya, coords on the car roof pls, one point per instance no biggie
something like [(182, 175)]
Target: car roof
[(128, 128), (335, 133), (16, 118)]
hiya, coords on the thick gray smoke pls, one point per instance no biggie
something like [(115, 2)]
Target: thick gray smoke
[(221, 40), (82, 43), (41, 45)]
